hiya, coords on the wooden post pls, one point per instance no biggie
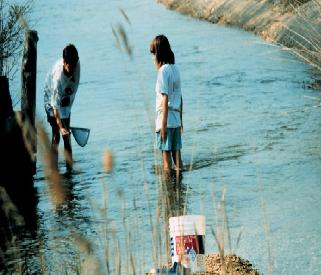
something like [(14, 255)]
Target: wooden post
[(28, 93), (5, 99)]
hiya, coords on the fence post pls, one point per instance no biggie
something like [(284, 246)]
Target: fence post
[(28, 81), (5, 99)]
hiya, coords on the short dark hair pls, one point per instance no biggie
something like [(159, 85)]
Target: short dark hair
[(161, 48), (70, 54)]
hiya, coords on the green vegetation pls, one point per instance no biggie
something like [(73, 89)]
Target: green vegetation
[(11, 34), (12, 38)]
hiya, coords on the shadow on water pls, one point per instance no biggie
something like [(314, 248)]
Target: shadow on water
[(231, 152), (226, 153)]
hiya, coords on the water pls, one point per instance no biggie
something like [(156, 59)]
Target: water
[(250, 127)]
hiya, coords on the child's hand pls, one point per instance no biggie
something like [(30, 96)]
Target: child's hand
[(64, 131), (163, 133)]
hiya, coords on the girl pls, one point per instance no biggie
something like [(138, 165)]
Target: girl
[(169, 103)]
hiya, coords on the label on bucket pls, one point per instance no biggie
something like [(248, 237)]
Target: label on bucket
[(185, 243)]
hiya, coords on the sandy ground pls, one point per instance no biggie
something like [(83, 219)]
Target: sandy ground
[(233, 265), (213, 266), (295, 28)]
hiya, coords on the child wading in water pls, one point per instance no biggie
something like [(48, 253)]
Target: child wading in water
[(169, 104)]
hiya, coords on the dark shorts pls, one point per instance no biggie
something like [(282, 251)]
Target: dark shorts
[(173, 140)]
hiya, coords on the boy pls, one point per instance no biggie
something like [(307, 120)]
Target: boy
[(59, 94)]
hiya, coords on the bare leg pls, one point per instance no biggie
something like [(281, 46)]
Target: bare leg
[(167, 161), (176, 155), (68, 152), (54, 146), (67, 145)]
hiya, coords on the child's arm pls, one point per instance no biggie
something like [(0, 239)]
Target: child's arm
[(164, 118), (181, 113), (63, 130)]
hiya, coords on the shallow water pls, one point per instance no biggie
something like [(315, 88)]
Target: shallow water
[(250, 127)]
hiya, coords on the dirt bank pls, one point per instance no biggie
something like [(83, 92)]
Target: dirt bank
[(295, 26), (232, 264)]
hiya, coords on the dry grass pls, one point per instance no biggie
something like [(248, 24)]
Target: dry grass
[(304, 34), (117, 253), (292, 24)]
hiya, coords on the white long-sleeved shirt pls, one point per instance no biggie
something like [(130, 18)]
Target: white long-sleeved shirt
[(60, 90)]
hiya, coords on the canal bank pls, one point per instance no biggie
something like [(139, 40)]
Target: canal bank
[(295, 25)]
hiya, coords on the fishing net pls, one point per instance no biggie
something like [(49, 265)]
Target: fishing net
[(80, 135)]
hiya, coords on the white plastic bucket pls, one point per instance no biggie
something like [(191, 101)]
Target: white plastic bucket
[(187, 240)]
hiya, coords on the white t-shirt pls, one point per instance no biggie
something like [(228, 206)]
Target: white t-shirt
[(169, 83), (60, 90)]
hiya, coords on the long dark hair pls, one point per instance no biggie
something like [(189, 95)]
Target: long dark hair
[(161, 48)]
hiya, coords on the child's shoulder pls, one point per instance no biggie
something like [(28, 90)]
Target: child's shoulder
[(167, 68), (164, 68), (57, 68)]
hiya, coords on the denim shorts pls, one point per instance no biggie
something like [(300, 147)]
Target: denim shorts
[(173, 140)]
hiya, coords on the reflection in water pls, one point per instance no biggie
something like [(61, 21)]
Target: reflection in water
[(18, 228), (67, 208), (18, 200), (64, 232), (22, 243), (173, 194), (16, 175), (174, 191), (16, 180)]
